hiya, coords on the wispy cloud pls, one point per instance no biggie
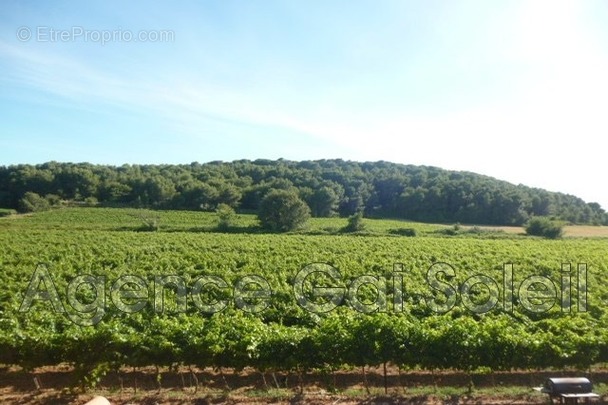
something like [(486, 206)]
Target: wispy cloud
[(184, 104)]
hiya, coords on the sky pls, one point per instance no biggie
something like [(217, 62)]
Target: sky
[(517, 90)]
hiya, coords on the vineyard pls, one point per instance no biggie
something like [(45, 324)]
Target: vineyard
[(92, 288)]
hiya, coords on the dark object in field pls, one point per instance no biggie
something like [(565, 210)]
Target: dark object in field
[(568, 390)]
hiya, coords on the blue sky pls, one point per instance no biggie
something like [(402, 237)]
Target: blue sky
[(513, 89)]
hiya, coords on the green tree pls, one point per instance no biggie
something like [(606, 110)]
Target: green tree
[(324, 202), (283, 211)]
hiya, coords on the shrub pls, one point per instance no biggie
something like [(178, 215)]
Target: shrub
[(451, 231), (543, 226), (355, 223), (32, 202), (149, 219), (404, 232), (225, 216), (53, 199), (7, 212), (91, 201)]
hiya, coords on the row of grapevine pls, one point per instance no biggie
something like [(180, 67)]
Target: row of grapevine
[(237, 340)]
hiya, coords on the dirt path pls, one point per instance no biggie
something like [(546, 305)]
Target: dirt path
[(50, 385)]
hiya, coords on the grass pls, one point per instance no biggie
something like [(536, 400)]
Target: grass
[(125, 219), (130, 219), (586, 231)]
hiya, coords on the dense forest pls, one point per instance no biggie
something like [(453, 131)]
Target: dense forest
[(329, 187)]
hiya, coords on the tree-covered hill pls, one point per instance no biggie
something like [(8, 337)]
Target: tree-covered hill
[(329, 187)]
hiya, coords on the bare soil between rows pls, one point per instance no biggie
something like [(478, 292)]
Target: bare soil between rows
[(55, 385)]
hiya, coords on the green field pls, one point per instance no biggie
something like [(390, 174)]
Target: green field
[(385, 309)]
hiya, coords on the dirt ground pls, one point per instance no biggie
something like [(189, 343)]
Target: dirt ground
[(51, 385), (575, 231)]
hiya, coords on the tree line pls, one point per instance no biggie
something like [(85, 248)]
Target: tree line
[(328, 187)]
